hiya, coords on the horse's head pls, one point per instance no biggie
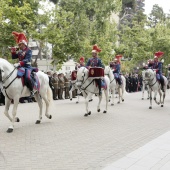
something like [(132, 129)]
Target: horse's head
[(5, 68), (148, 74), (107, 70), (82, 75)]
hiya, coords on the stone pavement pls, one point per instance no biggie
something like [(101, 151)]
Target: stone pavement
[(155, 155), (71, 141)]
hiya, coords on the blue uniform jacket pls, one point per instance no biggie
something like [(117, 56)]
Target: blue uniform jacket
[(116, 68), (158, 67), (24, 57), (94, 62)]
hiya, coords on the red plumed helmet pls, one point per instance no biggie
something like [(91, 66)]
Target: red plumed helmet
[(119, 56), (82, 59), (159, 54), (20, 38), (96, 49)]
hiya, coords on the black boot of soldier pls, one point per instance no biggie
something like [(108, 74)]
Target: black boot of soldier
[(100, 88), (162, 86), (32, 94), (119, 81), (31, 89)]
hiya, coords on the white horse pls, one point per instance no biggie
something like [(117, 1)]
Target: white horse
[(168, 77), (114, 86), (74, 87), (88, 87), (13, 89), (144, 86), (154, 86)]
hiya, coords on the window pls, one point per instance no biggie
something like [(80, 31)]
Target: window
[(67, 68)]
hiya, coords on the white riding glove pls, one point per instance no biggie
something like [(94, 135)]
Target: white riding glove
[(16, 64)]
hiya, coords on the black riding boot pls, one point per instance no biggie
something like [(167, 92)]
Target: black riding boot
[(100, 86), (30, 86), (162, 85), (119, 81)]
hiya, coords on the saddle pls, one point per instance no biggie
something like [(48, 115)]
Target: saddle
[(33, 76)]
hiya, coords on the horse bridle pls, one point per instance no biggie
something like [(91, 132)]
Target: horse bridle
[(150, 85), (3, 81), (83, 81)]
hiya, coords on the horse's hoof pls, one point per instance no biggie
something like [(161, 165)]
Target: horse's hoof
[(112, 104), (77, 102), (89, 113), (122, 100), (150, 107), (98, 110), (162, 105), (158, 103), (38, 122), (118, 102), (10, 130), (50, 117), (148, 98), (71, 99), (86, 114), (104, 111), (109, 100), (142, 98), (90, 100), (17, 119)]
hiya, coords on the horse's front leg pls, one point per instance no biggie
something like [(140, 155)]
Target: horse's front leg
[(155, 94), (119, 94), (78, 95), (107, 99), (14, 112), (70, 92), (143, 91), (163, 98), (113, 96), (98, 106), (150, 92), (7, 105), (123, 91), (87, 104)]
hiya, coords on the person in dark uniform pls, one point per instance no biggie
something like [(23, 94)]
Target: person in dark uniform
[(24, 55), (157, 66), (95, 61)]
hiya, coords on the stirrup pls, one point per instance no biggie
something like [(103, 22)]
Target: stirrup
[(32, 94)]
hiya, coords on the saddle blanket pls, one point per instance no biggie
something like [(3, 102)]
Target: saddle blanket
[(103, 84), (34, 79)]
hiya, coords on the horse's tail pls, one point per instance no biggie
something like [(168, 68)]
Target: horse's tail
[(50, 95)]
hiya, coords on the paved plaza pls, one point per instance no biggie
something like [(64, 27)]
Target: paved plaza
[(71, 141)]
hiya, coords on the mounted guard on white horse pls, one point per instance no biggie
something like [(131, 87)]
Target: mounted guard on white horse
[(73, 77), (168, 75), (144, 85), (91, 81), (156, 81), (117, 81), (14, 86)]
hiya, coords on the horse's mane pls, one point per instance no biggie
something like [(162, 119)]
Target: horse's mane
[(4, 62)]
